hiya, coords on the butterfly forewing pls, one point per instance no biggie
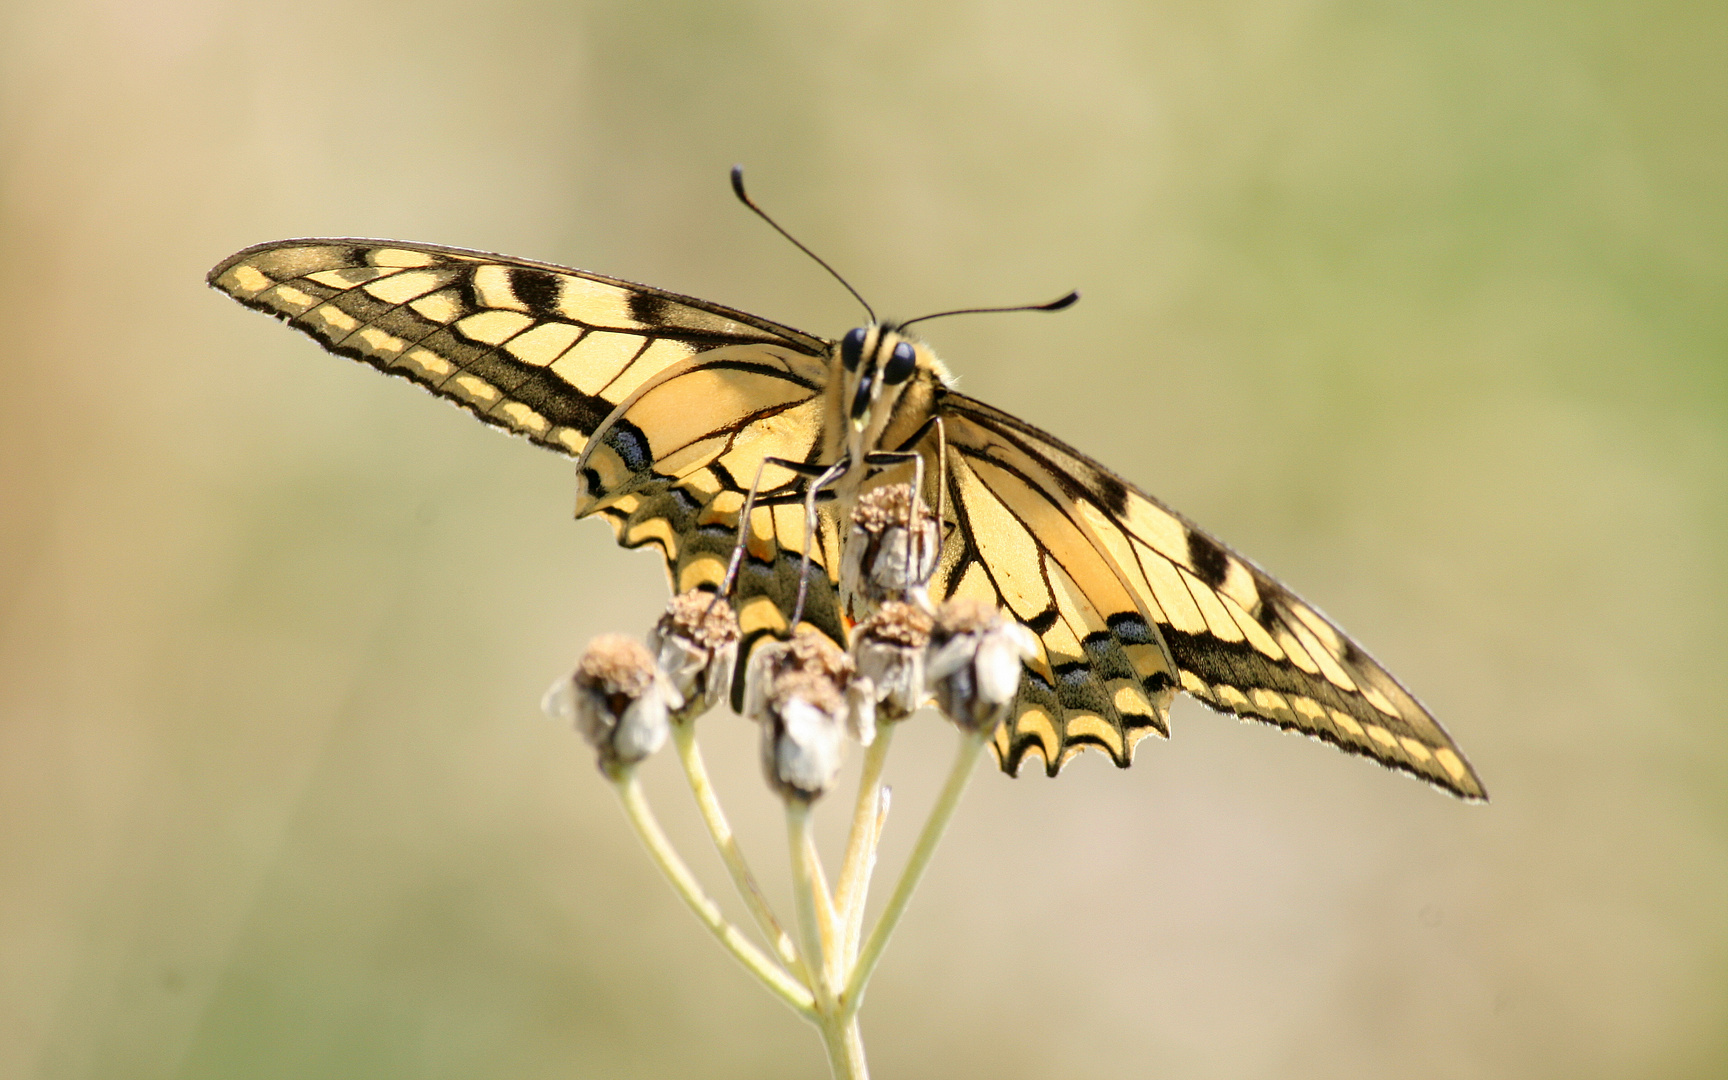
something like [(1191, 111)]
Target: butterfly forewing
[(542, 350), (1186, 611), (551, 353)]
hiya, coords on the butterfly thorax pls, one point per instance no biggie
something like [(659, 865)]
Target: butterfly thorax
[(881, 395)]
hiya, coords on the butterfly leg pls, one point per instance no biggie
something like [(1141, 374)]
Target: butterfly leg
[(751, 499), (828, 476), (924, 429)]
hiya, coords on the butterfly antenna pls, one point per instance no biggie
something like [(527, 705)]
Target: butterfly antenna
[(1054, 305), (738, 190)]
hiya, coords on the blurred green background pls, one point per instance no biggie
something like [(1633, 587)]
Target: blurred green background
[(1423, 306)]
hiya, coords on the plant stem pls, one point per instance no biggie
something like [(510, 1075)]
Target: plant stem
[(684, 737), (684, 883), (861, 841), (820, 935), (812, 936), (855, 928), (845, 1048), (965, 757)]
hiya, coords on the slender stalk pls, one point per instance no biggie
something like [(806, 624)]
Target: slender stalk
[(812, 935), (684, 737), (855, 925), (965, 757), (850, 892), (845, 1048), (684, 883), (827, 920)]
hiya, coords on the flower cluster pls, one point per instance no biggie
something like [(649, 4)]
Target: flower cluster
[(810, 696), (696, 645), (974, 662)]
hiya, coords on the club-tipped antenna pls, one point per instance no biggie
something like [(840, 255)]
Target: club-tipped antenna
[(738, 190), (1054, 305)]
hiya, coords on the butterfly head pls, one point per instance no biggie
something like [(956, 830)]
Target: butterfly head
[(877, 363)]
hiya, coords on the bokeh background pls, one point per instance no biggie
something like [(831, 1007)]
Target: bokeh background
[(1423, 306)]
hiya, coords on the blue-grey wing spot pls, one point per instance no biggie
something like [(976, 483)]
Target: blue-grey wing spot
[(1130, 629), (1072, 676), (631, 446), (1104, 652)]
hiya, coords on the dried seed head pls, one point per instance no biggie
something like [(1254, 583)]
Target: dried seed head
[(696, 644), (891, 550), (798, 690), (889, 649), (974, 662), (813, 651), (618, 699)]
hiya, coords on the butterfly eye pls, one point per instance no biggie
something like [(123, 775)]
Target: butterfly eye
[(852, 348), (901, 363)]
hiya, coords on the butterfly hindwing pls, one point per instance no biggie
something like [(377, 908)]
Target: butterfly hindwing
[(544, 351), (1225, 631), (674, 463), (1104, 679)]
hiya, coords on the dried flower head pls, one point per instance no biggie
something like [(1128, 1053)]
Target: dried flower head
[(891, 550), (974, 663), (619, 700), (696, 644), (797, 690), (889, 649)]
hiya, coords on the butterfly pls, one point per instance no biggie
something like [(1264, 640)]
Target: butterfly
[(677, 409)]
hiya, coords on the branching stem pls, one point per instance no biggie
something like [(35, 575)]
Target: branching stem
[(965, 758), (861, 841), (684, 736), (828, 971), (775, 978)]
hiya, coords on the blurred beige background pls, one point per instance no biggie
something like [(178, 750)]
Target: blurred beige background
[(1422, 306)]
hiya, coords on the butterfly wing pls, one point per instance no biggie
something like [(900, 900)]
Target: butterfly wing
[(674, 462), (687, 396), (543, 351), (1133, 603)]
